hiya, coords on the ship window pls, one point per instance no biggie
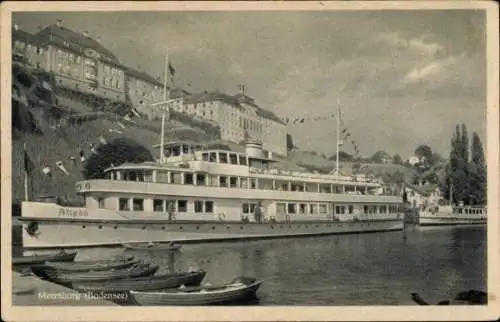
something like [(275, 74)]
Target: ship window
[(293, 187), (291, 208), (200, 179), (351, 209), (383, 209), (284, 187), (198, 206), (322, 208), (245, 208), (123, 204), (175, 178), (233, 158), (233, 182), (140, 176), (158, 205), (313, 208), (188, 178), (222, 157), (365, 209), (132, 176), (161, 176), (253, 183), (138, 204), (244, 182), (209, 206), (185, 149), (100, 202), (204, 156), (176, 150), (337, 209), (243, 160), (213, 157), (182, 205), (222, 181), (302, 208), (252, 207), (148, 175)]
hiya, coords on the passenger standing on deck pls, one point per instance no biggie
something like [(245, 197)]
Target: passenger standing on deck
[(170, 210)]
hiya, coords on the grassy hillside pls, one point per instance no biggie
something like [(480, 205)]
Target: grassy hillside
[(56, 127)]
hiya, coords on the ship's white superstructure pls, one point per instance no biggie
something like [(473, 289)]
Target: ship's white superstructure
[(201, 193)]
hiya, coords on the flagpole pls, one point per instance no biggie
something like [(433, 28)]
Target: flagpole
[(26, 194), (165, 77), (338, 137), (162, 140)]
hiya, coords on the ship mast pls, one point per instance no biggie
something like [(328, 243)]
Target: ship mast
[(338, 138)]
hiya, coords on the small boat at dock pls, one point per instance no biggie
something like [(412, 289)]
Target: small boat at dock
[(85, 266), (136, 270), (153, 246), (61, 256), (149, 283), (238, 290)]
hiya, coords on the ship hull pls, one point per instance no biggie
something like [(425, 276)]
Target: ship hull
[(71, 234), (446, 219)]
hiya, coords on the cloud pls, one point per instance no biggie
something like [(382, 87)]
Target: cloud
[(421, 45)]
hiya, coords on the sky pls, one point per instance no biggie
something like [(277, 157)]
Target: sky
[(401, 78)]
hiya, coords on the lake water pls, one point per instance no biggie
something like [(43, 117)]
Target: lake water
[(365, 269)]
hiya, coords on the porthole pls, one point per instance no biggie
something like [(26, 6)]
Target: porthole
[(162, 227), (143, 227), (197, 227), (115, 227), (272, 227), (84, 226), (100, 226), (213, 227), (241, 227), (181, 228), (281, 226)]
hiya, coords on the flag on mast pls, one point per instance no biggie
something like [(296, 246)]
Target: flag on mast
[(28, 169)]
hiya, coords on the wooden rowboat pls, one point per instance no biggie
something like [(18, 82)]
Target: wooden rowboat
[(137, 270), (83, 266), (154, 282), (240, 289), (152, 246), (61, 256)]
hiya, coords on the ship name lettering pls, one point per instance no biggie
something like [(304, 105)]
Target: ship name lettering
[(68, 212)]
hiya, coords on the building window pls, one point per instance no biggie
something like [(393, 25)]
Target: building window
[(182, 205), (198, 206), (123, 204), (100, 202), (138, 204), (158, 205), (209, 206)]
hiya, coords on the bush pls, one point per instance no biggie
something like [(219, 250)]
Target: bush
[(115, 152)]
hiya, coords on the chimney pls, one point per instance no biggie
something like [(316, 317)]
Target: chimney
[(59, 23), (16, 27), (85, 33)]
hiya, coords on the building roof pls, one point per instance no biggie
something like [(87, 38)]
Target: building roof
[(236, 101), (142, 76), (26, 36), (74, 38)]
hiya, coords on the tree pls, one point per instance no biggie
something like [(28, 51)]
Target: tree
[(380, 156), (424, 152), (456, 186), (397, 159), (289, 142), (477, 173), (116, 152), (343, 157)]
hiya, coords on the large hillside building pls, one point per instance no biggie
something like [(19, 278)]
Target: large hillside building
[(82, 64)]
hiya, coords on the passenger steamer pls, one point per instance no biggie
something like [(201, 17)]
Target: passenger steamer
[(445, 213), (196, 193)]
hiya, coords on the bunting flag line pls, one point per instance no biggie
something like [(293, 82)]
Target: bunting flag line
[(171, 69), (61, 167), (120, 124)]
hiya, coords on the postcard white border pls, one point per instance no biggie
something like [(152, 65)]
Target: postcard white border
[(264, 313)]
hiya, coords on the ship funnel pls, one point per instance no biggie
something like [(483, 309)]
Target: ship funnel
[(253, 148)]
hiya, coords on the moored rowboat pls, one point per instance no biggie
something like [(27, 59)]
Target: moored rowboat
[(84, 266), (152, 246), (149, 283), (61, 256), (238, 290), (137, 270)]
